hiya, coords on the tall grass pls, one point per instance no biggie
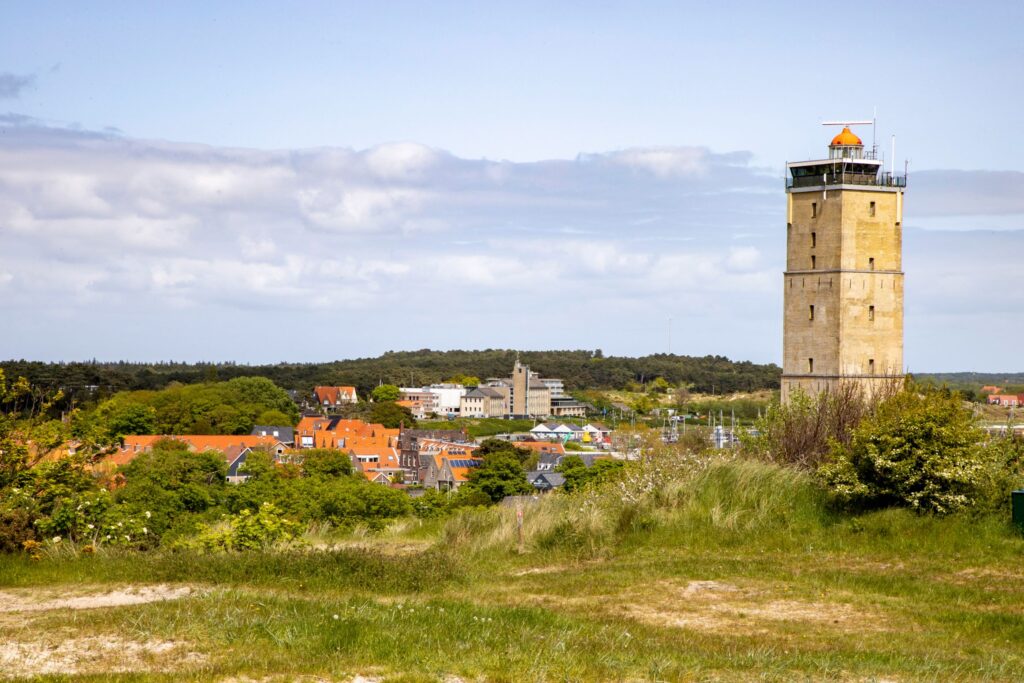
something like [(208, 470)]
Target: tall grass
[(718, 496), (717, 504)]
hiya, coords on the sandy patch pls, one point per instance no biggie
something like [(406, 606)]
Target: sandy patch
[(133, 595), (92, 655), (982, 573), (718, 606)]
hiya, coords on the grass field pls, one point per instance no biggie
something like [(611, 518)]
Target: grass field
[(742, 574)]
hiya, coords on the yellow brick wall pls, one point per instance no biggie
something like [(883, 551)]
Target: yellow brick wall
[(843, 233)]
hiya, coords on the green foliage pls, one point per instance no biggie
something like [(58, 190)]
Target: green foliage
[(170, 483), (391, 415), (920, 449), (581, 369), (14, 453), (642, 405), (346, 503), (326, 462), (658, 386), (275, 418), (131, 418), (500, 475), (490, 447), (481, 427), (386, 392), (231, 407), (578, 475), (246, 531)]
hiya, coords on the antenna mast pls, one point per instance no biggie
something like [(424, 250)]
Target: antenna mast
[(874, 127)]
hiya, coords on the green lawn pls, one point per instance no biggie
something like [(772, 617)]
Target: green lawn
[(480, 427), (746, 576)]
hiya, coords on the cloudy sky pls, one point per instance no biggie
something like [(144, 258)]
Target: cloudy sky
[(318, 181)]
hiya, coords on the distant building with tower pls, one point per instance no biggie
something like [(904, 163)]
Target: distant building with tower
[(843, 310)]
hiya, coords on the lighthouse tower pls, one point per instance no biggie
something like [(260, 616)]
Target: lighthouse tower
[(843, 311)]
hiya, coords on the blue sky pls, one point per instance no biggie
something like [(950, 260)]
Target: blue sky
[(357, 169)]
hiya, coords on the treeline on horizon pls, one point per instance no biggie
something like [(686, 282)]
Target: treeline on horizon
[(579, 369)]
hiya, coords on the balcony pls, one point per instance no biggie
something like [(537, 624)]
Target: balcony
[(847, 178)]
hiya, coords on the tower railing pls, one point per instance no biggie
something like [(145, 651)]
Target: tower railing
[(847, 178)]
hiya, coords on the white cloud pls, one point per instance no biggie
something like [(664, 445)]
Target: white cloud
[(402, 160), (664, 162), (402, 246)]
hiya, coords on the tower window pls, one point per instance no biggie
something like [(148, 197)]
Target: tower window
[(814, 209), (871, 313), (814, 239), (814, 262), (810, 315), (810, 365), (871, 263), (871, 366), (872, 209)]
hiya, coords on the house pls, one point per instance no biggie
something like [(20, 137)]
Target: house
[(446, 466), (545, 430), (285, 435), (542, 447), (484, 402), (235, 457), (551, 461), (334, 397), (378, 462), (596, 433), (449, 397), (1006, 400), (426, 401), (567, 406), (545, 481), (991, 389), (314, 431), (409, 444), (448, 474), (415, 407), (563, 432)]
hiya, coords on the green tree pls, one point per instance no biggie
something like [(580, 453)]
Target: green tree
[(326, 462), (490, 447), (274, 418), (500, 475), (391, 415), (130, 418), (578, 475), (386, 392), (658, 386), (920, 449)]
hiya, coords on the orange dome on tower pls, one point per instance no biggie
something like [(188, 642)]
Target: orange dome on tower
[(845, 138)]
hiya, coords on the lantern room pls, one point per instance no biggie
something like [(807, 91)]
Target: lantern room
[(846, 145)]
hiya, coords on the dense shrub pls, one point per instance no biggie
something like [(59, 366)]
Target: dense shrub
[(920, 449), (247, 530)]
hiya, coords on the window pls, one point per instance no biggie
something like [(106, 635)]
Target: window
[(814, 239), (871, 263), (810, 315), (814, 209), (871, 210), (810, 365), (814, 262), (871, 366), (871, 313)]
